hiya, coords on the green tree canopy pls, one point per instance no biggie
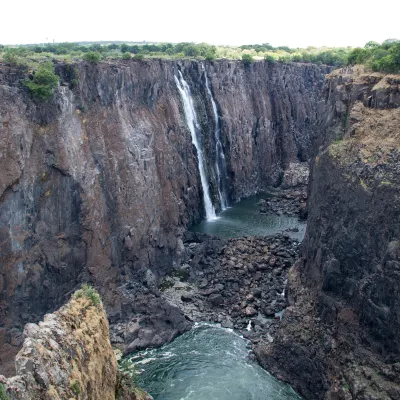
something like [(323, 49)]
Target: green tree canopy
[(43, 81)]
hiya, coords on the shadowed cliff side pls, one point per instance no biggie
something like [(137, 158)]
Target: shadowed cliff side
[(69, 356), (339, 338), (99, 182)]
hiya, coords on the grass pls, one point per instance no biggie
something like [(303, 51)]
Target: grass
[(75, 387), (386, 183), (3, 394), (90, 293), (128, 380)]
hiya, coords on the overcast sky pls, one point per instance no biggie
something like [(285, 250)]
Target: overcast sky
[(293, 23)]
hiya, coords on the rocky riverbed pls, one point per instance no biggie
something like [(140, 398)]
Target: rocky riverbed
[(239, 283), (291, 202)]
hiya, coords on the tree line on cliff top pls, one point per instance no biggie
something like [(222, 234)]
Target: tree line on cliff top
[(383, 57), (42, 80)]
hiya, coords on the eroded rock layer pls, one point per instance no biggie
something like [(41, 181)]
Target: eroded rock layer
[(339, 337)]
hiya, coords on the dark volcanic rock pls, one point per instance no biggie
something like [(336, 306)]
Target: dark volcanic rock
[(339, 338), (286, 202), (99, 182), (234, 287)]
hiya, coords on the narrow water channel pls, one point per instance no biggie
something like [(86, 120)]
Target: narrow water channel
[(207, 363)]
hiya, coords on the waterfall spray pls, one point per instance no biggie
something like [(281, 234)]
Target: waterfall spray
[(220, 163), (194, 128)]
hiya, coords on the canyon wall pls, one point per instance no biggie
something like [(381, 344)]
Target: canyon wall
[(99, 183), (339, 338)]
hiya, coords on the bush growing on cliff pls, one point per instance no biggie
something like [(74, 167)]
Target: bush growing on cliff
[(247, 59), (92, 57), (88, 292), (126, 56), (43, 81)]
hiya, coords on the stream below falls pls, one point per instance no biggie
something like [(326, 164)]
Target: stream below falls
[(207, 363), (211, 362)]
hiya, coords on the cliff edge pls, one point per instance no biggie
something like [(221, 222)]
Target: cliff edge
[(339, 337), (69, 356)]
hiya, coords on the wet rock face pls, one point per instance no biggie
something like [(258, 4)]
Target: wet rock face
[(99, 183), (344, 302)]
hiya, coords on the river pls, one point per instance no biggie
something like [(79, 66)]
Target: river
[(207, 363)]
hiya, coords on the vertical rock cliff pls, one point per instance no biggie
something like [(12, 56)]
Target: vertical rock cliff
[(99, 182), (339, 338)]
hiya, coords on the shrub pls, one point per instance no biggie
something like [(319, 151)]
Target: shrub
[(269, 59), (138, 56), (3, 393), (88, 292), (43, 81), (15, 57), (92, 57), (126, 56), (210, 56), (247, 59), (75, 387)]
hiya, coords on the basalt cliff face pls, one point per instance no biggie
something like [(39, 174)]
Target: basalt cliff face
[(99, 183), (339, 337)]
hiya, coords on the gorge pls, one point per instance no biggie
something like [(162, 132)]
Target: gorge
[(100, 183)]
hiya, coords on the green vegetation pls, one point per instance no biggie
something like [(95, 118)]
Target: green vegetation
[(383, 57), (3, 393), (89, 292), (43, 81), (92, 56), (75, 387), (127, 379), (247, 59)]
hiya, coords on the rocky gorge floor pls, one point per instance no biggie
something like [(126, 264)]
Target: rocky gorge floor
[(239, 283)]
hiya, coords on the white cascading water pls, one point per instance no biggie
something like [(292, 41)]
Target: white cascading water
[(194, 127), (219, 151)]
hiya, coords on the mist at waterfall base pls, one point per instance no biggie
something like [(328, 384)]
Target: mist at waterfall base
[(207, 363), (244, 219)]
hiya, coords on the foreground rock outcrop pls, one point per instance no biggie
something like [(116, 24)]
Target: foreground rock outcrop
[(69, 356), (99, 183), (339, 338)]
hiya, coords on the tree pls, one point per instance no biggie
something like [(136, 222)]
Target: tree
[(92, 57), (357, 56), (247, 59), (43, 81)]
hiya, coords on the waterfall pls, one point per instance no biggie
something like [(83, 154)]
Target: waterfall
[(220, 164), (194, 128)]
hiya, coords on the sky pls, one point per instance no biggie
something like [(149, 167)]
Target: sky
[(221, 22)]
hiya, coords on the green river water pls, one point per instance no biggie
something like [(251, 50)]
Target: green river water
[(210, 362)]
